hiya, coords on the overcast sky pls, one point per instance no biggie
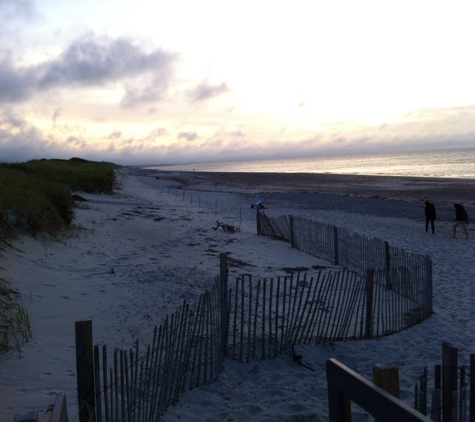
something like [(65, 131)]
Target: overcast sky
[(149, 82)]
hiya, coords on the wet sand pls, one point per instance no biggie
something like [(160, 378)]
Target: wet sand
[(415, 188)]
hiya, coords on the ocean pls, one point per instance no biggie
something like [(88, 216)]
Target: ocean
[(451, 163)]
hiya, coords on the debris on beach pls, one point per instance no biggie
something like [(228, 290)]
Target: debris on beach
[(226, 227)]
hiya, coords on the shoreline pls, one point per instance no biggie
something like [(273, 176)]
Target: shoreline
[(384, 187)]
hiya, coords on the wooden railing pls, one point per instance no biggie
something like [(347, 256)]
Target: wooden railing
[(346, 386)]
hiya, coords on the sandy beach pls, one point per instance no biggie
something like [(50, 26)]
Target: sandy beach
[(443, 189), (134, 256)]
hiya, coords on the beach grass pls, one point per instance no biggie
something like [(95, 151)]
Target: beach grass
[(76, 173), (36, 198), (15, 326)]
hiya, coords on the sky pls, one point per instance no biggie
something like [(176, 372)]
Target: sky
[(152, 82)]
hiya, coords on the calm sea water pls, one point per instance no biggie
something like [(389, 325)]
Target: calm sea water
[(456, 163)]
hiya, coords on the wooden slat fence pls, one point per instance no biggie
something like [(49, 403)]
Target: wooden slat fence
[(406, 273), (187, 351), (448, 395), (255, 319), (268, 316)]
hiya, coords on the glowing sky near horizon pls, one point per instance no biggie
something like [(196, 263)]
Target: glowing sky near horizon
[(145, 82)]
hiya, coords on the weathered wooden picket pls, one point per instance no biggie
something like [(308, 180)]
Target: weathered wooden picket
[(254, 320), (351, 250), (346, 386), (452, 395), (406, 273), (55, 412), (446, 395), (187, 351), (268, 316)]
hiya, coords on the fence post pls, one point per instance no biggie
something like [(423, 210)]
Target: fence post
[(472, 388), (344, 383), (223, 281), (428, 282), (386, 376), (85, 371), (258, 221), (449, 380), (369, 303), (463, 395), (423, 392), (436, 405), (335, 244), (387, 264), (292, 238)]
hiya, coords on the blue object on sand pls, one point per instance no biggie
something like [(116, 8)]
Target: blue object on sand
[(258, 203)]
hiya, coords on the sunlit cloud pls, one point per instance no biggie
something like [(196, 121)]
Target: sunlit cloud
[(119, 85)]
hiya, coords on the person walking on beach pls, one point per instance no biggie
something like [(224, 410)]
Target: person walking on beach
[(431, 215), (461, 219)]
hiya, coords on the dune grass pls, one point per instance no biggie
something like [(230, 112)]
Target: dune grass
[(15, 326), (36, 198)]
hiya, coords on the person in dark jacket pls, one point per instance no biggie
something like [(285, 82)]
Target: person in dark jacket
[(431, 215), (461, 219)]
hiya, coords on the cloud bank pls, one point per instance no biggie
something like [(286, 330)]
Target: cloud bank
[(90, 62), (139, 88)]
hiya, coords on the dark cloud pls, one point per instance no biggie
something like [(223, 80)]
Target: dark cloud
[(158, 133), (56, 115), (116, 134), (19, 139), (205, 91), (95, 61), (74, 143), (189, 136), (88, 62), (151, 92), (16, 84)]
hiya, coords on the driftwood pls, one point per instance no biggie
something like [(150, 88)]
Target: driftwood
[(226, 227)]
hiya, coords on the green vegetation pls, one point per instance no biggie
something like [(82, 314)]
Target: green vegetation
[(35, 198), (15, 327)]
